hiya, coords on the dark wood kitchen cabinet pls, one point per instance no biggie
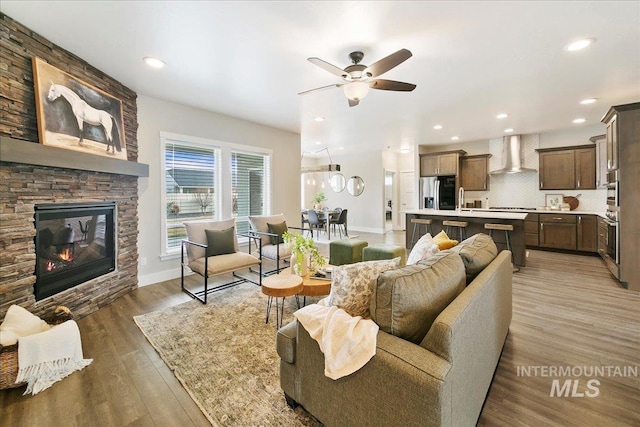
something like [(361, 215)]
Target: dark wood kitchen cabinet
[(603, 237), (474, 172), (567, 168), (558, 231), (444, 163), (587, 238), (531, 230)]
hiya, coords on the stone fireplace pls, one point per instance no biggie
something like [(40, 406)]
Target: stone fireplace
[(34, 176)]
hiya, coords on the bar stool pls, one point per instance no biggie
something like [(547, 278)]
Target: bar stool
[(506, 228), (460, 225), (417, 222)]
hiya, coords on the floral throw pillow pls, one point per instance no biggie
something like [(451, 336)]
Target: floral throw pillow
[(352, 285), (424, 248)]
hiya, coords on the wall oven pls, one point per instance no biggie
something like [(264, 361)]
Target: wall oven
[(613, 199)]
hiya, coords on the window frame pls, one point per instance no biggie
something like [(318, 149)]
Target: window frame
[(223, 180)]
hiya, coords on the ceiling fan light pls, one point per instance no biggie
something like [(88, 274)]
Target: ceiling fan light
[(356, 90)]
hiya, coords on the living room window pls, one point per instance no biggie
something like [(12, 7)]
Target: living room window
[(210, 180)]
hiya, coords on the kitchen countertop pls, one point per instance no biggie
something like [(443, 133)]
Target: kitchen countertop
[(471, 213), (497, 213)]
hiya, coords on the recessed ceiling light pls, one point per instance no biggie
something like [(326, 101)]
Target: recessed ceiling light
[(580, 120), (318, 142), (319, 119), (588, 101), (455, 138), (405, 150), (437, 127), (508, 130), (502, 116), (340, 148), (154, 62), (579, 44)]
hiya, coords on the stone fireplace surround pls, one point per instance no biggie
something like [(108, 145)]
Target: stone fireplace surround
[(24, 183)]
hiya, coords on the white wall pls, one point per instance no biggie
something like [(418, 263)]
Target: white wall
[(154, 116)]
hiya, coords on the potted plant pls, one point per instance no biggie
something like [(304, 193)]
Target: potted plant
[(305, 256), (319, 198)]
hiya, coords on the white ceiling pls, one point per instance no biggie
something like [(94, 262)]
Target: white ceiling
[(471, 61)]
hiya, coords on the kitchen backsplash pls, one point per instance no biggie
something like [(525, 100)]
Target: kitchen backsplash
[(521, 189)]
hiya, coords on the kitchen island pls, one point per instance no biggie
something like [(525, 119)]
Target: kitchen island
[(477, 219)]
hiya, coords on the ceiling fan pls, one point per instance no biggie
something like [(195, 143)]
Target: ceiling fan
[(359, 77)]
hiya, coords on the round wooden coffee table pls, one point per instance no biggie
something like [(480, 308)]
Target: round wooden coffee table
[(280, 286), (311, 286)]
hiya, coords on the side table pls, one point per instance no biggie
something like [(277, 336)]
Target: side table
[(280, 286)]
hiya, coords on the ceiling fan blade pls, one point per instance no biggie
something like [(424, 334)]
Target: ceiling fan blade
[(385, 64), (353, 102), (382, 84), (328, 67), (319, 88)]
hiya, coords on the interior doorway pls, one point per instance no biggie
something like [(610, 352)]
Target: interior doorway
[(390, 200)]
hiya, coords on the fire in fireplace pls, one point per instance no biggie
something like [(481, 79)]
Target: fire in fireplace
[(75, 242)]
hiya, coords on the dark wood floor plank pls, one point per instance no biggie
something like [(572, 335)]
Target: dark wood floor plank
[(568, 311)]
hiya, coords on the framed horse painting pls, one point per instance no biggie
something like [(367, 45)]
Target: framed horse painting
[(75, 115)]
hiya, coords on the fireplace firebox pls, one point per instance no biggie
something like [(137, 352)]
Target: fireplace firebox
[(75, 242)]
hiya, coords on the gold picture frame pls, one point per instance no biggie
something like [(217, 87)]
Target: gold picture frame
[(75, 115)]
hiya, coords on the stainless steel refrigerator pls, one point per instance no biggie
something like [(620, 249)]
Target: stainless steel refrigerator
[(438, 192)]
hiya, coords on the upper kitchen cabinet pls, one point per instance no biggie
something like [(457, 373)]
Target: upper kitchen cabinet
[(474, 172), (601, 160), (443, 163), (611, 120), (568, 168)]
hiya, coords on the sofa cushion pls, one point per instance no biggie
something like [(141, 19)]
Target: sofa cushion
[(278, 229), (476, 252), (443, 241), (220, 242), (424, 248), (259, 223), (406, 301), (196, 233), (352, 284)]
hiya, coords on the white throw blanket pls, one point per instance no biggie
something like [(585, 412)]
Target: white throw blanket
[(48, 357), (347, 342)]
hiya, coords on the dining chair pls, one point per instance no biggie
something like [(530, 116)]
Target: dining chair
[(305, 220), (341, 221), (315, 220)]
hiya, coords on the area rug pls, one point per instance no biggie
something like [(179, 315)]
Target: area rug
[(224, 355)]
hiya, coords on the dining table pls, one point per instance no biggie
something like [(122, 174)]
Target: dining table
[(328, 215)]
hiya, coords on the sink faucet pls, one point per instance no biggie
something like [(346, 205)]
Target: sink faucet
[(460, 198)]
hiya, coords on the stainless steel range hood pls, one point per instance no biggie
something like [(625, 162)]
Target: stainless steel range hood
[(512, 156)]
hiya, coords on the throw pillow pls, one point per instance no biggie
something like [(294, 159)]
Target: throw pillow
[(443, 241), (259, 224), (220, 242), (19, 322), (477, 252), (406, 301), (196, 233), (278, 229), (352, 285), (423, 248)]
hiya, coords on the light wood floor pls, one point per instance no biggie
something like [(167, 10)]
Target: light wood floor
[(567, 312)]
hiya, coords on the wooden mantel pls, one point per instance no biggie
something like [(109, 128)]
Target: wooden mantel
[(32, 153)]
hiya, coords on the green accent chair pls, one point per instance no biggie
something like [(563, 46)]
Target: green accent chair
[(384, 251), (346, 251)]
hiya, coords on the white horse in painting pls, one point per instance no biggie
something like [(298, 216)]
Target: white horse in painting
[(86, 113)]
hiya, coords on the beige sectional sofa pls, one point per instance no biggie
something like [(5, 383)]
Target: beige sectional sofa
[(439, 380)]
